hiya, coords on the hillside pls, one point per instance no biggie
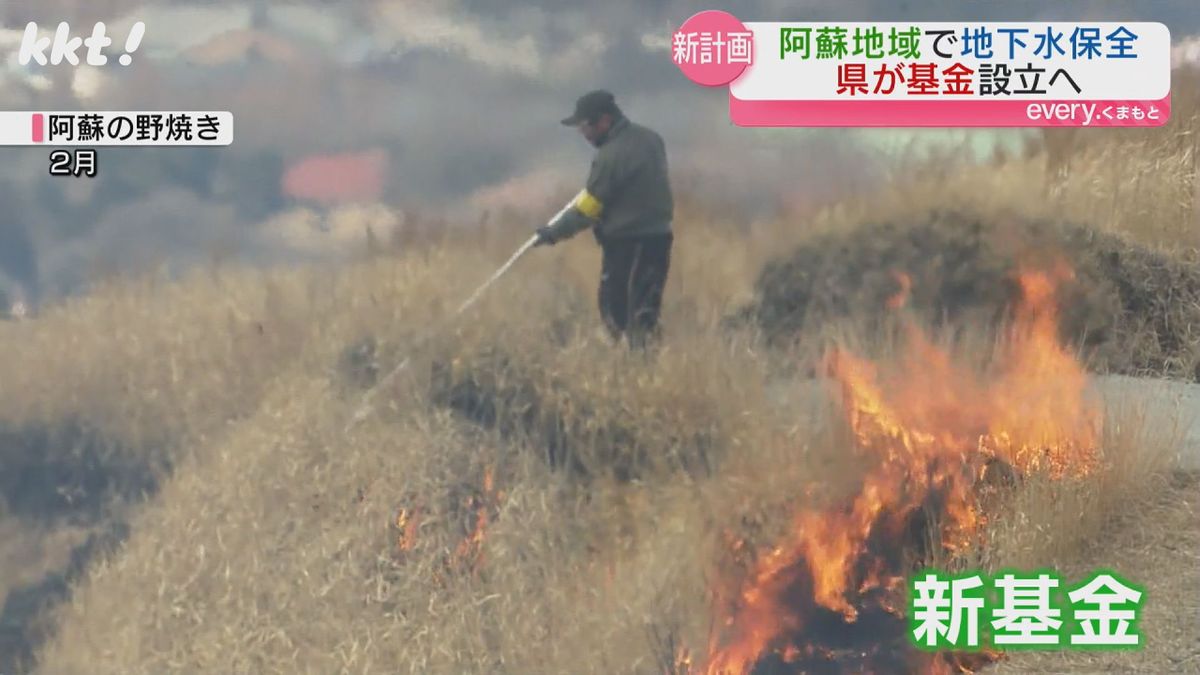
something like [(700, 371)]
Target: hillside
[(181, 494)]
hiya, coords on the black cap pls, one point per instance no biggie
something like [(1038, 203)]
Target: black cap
[(591, 105)]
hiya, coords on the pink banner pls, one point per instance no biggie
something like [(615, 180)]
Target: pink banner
[(948, 113)]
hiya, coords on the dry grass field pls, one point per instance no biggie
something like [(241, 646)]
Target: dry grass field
[(180, 492)]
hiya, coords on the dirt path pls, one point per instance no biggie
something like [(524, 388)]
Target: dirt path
[(1167, 404), (1159, 548)]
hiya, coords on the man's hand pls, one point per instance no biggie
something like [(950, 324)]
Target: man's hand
[(545, 237)]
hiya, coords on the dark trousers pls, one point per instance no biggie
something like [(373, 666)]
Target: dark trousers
[(632, 277)]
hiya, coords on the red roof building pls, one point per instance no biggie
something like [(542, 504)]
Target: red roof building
[(331, 179)]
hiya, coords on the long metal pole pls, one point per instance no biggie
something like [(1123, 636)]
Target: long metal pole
[(500, 272), (365, 407)]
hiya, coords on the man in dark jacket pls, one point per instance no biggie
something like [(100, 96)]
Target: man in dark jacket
[(628, 204)]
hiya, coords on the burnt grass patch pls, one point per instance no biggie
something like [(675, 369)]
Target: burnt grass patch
[(68, 472), (583, 436), (61, 476)]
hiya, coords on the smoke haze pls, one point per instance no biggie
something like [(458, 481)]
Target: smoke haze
[(447, 105)]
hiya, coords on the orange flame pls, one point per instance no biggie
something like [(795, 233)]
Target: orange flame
[(931, 429), (468, 554), (407, 521), (900, 297)]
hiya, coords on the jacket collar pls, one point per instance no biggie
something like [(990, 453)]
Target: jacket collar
[(617, 127)]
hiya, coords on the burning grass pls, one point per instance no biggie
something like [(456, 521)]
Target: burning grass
[(935, 436), (703, 518), (438, 539)]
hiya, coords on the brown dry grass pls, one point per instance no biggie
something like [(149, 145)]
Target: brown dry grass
[(1155, 541), (271, 546), (1141, 183)]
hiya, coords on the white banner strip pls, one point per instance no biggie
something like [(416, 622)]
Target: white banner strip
[(116, 128), (1083, 61)]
